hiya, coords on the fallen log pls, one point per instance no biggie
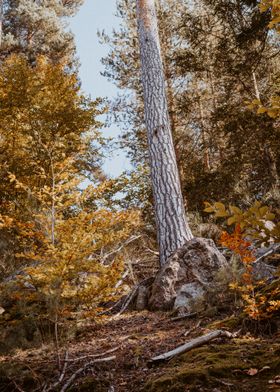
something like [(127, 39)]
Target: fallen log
[(197, 342)]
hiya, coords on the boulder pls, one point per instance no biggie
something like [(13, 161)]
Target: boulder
[(186, 276)]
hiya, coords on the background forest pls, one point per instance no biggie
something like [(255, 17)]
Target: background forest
[(218, 57), (73, 241)]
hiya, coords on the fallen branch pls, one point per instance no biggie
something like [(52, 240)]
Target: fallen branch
[(193, 328), (116, 306), (200, 341), (124, 303), (151, 251), (128, 300), (112, 350), (184, 316), (271, 251), (131, 296), (61, 377), (17, 386), (83, 368)]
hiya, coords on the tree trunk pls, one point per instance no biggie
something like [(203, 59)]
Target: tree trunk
[(172, 227), (1, 22)]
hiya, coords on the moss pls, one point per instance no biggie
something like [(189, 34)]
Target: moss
[(217, 366), (169, 383), (230, 323)]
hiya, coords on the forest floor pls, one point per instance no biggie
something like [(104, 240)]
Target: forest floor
[(225, 365)]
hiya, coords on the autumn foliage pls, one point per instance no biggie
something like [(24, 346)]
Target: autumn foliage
[(61, 236), (251, 227)]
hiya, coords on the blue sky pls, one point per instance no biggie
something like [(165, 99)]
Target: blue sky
[(97, 15)]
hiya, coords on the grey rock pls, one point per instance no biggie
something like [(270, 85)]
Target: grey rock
[(186, 295), (186, 275)]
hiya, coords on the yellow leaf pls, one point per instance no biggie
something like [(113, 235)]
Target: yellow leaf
[(231, 220), (261, 110), (235, 210)]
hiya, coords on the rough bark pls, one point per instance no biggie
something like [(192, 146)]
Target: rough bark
[(172, 227), (1, 21)]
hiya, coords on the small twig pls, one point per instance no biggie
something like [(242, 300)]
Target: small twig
[(132, 239), (18, 387), (120, 282), (193, 328), (57, 341), (83, 368), (61, 377)]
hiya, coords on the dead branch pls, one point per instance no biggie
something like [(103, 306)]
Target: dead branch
[(120, 282), (17, 386), (46, 387), (184, 316), (129, 299), (151, 251), (112, 308), (112, 350), (131, 239), (193, 328), (62, 375), (271, 251), (83, 368), (200, 341)]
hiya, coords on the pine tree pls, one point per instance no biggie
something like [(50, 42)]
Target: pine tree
[(172, 228), (122, 67), (1, 21), (38, 27)]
